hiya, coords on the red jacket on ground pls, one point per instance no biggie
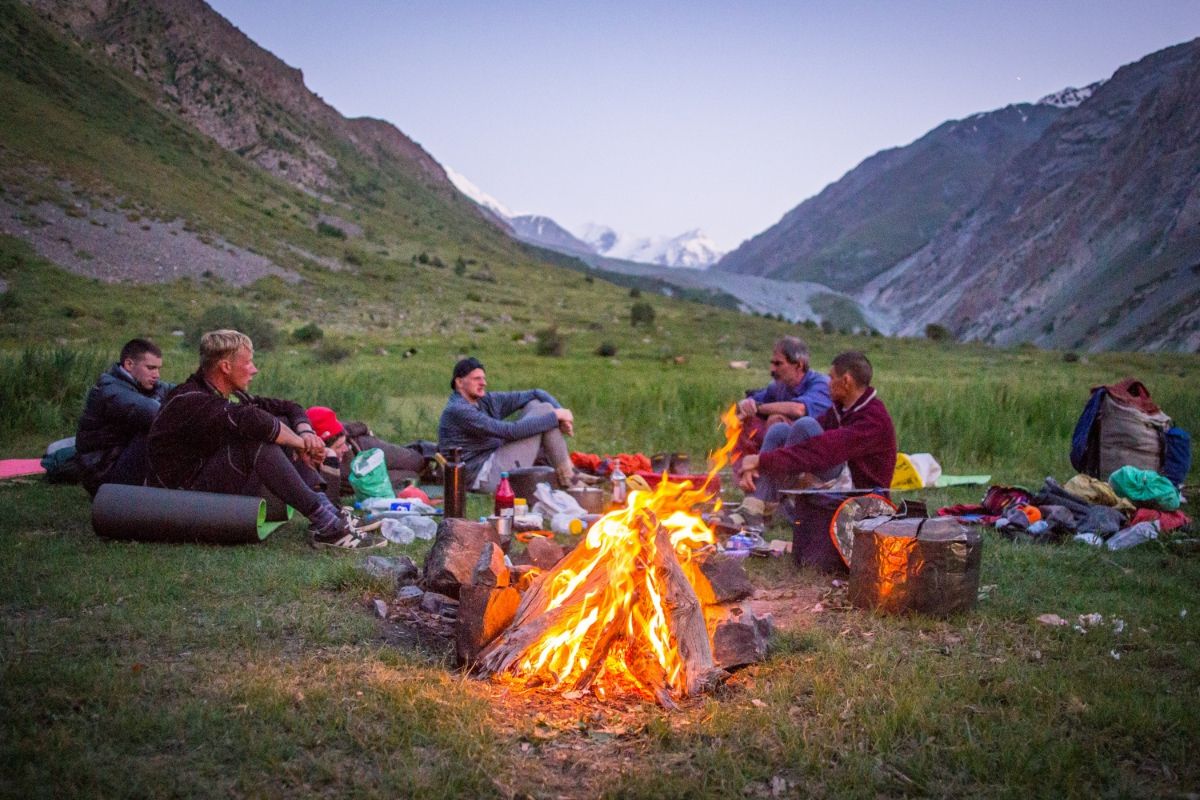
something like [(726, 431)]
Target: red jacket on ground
[(862, 435)]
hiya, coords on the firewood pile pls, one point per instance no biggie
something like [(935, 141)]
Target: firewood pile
[(631, 612)]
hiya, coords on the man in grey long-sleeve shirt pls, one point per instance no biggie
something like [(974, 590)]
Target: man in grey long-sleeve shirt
[(475, 421)]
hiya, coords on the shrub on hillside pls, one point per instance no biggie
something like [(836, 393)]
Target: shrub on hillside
[(325, 229), (641, 314), (938, 333), (307, 334), (331, 352), (550, 342), (261, 331), (606, 349), (635, 292)]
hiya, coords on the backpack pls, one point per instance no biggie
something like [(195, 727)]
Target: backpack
[(1120, 426), (60, 463)]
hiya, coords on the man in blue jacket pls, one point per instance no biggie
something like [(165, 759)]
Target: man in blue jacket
[(475, 421), (795, 391), (110, 441)]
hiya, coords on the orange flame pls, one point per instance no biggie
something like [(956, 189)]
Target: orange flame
[(627, 610)]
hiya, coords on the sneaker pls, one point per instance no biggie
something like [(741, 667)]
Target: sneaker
[(749, 517), (344, 536)]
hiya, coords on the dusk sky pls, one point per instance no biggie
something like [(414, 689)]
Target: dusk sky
[(656, 118)]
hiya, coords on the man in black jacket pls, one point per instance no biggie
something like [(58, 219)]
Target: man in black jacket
[(211, 435), (110, 442)]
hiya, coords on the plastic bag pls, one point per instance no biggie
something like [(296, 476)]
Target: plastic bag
[(1145, 488), (369, 475)]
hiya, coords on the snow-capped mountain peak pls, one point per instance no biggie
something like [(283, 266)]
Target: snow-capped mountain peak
[(1070, 96), (464, 185), (692, 249)]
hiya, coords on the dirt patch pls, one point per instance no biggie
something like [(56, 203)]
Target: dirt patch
[(117, 246)]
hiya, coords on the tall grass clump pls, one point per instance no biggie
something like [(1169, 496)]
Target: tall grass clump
[(42, 389)]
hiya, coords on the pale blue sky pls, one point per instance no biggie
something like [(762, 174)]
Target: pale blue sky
[(656, 118)]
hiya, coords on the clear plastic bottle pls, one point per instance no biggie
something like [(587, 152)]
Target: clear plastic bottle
[(504, 497), (620, 490)]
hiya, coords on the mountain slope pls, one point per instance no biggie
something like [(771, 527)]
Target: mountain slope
[(891, 204), (1088, 238), (545, 232)]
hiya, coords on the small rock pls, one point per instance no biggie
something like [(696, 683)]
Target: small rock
[(543, 552), (381, 608), (401, 568), (409, 595), (434, 602)]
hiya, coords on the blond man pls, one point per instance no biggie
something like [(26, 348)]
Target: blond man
[(212, 435)]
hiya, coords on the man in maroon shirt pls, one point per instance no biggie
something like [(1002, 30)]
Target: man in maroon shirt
[(857, 433)]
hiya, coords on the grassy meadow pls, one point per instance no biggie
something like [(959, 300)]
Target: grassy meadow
[(183, 671), (133, 670)]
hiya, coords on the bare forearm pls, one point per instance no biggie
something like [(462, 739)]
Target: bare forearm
[(788, 409)]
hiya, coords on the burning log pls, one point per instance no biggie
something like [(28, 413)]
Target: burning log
[(483, 612), (687, 623), (621, 610)]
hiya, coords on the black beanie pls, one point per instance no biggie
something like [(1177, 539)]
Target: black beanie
[(464, 367)]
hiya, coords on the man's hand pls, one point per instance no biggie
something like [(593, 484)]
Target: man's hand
[(748, 473), (313, 446), (747, 408), (566, 421)]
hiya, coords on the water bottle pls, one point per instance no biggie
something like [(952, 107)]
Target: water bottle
[(454, 485), (504, 497), (620, 490), (383, 504)]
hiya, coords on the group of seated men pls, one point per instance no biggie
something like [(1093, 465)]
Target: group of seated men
[(210, 434)]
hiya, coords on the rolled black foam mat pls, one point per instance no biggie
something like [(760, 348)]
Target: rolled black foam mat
[(147, 514)]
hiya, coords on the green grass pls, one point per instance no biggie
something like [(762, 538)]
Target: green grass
[(132, 669)]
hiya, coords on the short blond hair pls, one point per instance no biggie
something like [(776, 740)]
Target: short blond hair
[(218, 345)]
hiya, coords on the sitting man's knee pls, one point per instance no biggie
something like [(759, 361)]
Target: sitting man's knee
[(536, 407)]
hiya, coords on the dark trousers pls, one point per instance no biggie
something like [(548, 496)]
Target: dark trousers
[(129, 468), (247, 468)]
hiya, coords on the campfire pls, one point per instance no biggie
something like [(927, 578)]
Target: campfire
[(629, 609)]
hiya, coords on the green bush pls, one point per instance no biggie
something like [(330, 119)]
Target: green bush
[(641, 314), (938, 333), (550, 342), (332, 352), (325, 229), (307, 334), (606, 350), (261, 331), (635, 292)]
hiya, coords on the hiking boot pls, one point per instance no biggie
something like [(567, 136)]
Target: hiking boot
[(750, 516)]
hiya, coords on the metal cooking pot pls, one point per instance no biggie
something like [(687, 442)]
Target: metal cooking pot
[(524, 481)]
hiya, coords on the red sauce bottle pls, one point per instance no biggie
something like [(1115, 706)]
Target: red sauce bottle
[(504, 496)]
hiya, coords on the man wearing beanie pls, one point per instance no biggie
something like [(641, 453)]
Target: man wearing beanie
[(475, 420), (212, 435)]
